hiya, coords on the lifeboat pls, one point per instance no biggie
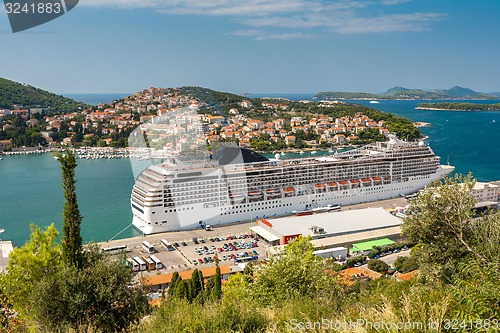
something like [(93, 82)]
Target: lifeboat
[(387, 179), (331, 185), (354, 183), (366, 181), (237, 197), (377, 179), (273, 192), (289, 191), (255, 194), (344, 184), (319, 187)]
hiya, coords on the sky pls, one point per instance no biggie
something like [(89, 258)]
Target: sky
[(259, 46)]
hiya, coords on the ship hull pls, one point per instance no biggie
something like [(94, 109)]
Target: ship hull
[(199, 214)]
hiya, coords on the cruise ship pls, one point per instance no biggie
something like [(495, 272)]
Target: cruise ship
[(239, 185)]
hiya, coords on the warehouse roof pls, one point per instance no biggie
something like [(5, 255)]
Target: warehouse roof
[(335, 223)]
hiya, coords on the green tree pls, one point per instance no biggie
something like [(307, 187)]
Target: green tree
[(41, 256), (217, 290), (196, 284), (398, 263), (97, 296), (295, 273), (172, 284), (441, 218), (71, 240), (181, 289), (378, 265)]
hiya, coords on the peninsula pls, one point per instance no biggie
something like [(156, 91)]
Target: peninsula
[(454, 106)]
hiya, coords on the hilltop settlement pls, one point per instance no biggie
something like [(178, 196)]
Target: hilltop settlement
[(259, 124)]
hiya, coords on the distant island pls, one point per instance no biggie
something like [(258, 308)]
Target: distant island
[(395, 93), (453, 106)]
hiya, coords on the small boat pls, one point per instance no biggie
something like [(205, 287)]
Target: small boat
[(273, 192), (301, 152), (313, 152), (255, 194), (319, 187), (331, 185), (237, 197), (374, 102), (366, 181), (303, 213)]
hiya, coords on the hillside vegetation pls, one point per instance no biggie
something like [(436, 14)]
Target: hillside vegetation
[(460, 106), (26, 96), (456, 289)]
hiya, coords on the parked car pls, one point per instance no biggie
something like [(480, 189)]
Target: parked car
[(184, 244), (200, 261), (233, 256), (194, 262), (202, 241), (205, 259)]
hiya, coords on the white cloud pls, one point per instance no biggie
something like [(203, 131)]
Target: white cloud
[(302, 18), (264, 35)]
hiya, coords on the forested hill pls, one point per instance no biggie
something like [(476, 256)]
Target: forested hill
[(209, 96), (404, 93), (22, 95)]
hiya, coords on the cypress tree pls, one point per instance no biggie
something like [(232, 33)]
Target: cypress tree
[(71, 239), (173, 283), (181, 290), (217, 290), (195, 284), (202, 282)]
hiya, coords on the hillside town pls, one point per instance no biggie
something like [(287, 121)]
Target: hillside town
[(258, 124)]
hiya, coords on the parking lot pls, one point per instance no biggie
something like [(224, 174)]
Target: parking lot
[(200, 252), (185, 256)]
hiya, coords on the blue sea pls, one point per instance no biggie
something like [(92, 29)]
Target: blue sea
[(31, 192)]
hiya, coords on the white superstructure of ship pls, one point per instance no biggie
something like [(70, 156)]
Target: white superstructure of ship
[(238, 185)]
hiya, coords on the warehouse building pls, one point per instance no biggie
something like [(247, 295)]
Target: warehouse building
[(281, 231)]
